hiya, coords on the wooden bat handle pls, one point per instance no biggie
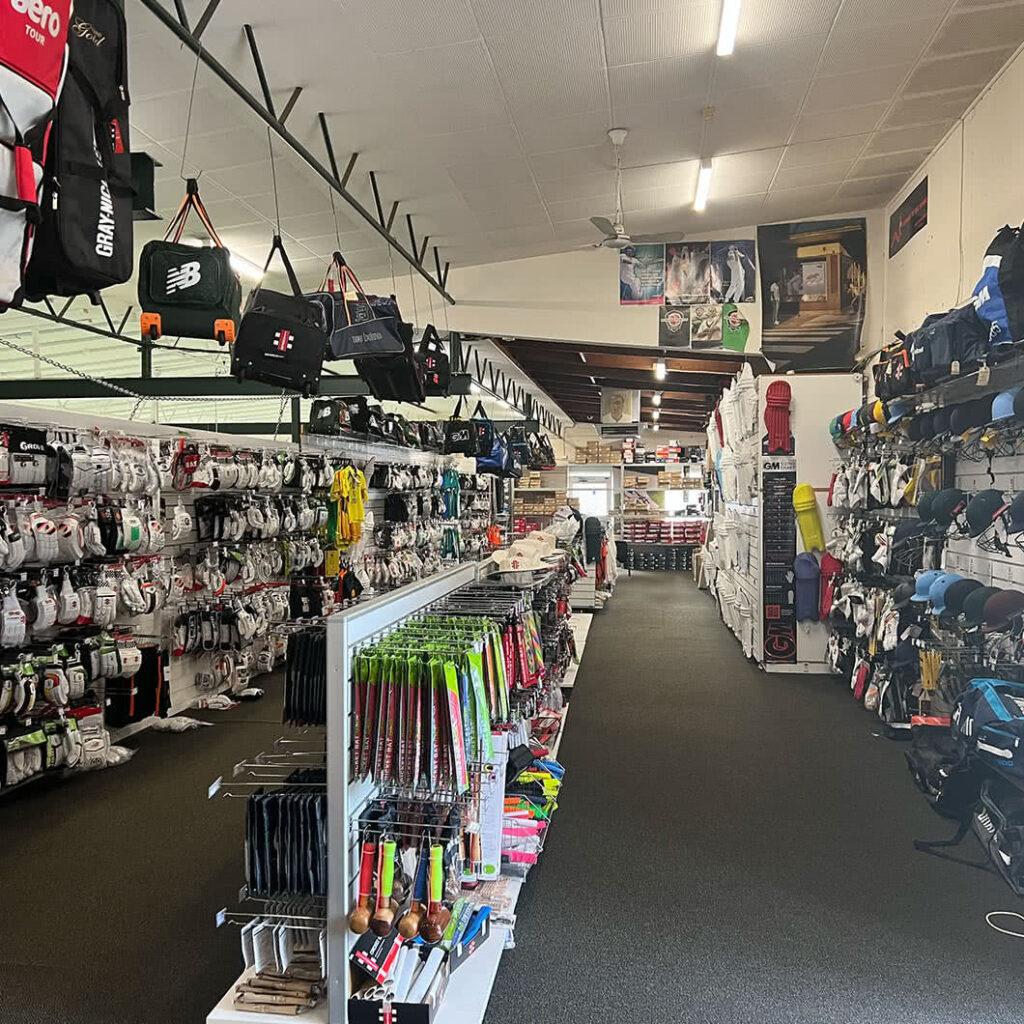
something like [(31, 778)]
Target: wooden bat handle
[(359, 919)]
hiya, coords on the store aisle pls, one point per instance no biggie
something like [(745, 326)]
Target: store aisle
[(109, 882), (735, 847)]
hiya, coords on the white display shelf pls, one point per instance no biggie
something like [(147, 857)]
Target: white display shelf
[(561, 732), (580, 624), (225, 1013), (469, 988)]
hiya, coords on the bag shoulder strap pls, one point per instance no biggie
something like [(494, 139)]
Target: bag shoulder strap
[(278, 246), (480, 412), (192, 201), (458, 408), (337, 262), (431, 340)]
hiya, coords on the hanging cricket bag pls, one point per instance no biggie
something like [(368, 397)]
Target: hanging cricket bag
[(33, 61), (281, 338), (354, 327), (84, 240), (437, 370), (189, 290)]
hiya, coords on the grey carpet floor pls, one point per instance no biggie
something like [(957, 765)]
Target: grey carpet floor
[(734, 847), (730, 847), (109, 882)]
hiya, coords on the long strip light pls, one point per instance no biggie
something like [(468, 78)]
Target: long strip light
[(660, 369), (246, 267), (656, 398), (700, 200), (728, 27)]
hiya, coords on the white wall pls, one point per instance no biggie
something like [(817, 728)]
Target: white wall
[(574, 296), (975, 186)]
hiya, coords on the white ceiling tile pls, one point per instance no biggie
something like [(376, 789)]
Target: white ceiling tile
[(855, 16), (972, 69), (580, 230), (509, 217), (926, 109), (896, 139), (805, 153), (395, 26), (565, 163), (886, 185), (771, 101), (494, 197), (674, 32), (522, 235), (877, 46), (835, 124), (542, 134), (787, 204), (737, 213), (663, 144), (781, 58), (980, 28), (832, 92), (761, 20), (671, 218), (583, 207), (583, 186), (682, 174), (740, 134), (808, 175), (655, 81), (892, 163), (489, 172), (551, 74), (632, 8), (649, 199), (498, 17), (165, 118), (231, 213)]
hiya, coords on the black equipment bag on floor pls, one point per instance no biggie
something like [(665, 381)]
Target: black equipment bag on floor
[(281, 338), (84, 241), (949, 780), (189, 290), (998, 823)]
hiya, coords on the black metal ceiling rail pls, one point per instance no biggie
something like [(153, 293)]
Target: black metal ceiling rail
[(267, 114), (487, 375), (162, 387)]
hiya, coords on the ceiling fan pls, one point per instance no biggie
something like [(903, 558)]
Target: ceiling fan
[(615, 235)]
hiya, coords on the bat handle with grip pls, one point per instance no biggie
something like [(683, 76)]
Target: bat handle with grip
[(384, 916), (359, 919)]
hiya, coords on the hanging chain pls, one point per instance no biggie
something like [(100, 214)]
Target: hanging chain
[(280, 412), (334, 214)]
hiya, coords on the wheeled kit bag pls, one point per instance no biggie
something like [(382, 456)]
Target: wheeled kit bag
[(189, 290), (84, 241), (281, 338)]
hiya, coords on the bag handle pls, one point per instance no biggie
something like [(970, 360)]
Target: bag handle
[(278, 246), (458, 408), (337, 262), (480, 413), (431, 341), (192, 201)]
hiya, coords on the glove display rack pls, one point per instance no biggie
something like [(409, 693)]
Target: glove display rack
[(926, 596), (143, 571), (764, 440), (427, 760)]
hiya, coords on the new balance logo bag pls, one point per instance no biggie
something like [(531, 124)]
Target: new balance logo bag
[(33, 60), (281, 338), (189, 290), (84, 242)]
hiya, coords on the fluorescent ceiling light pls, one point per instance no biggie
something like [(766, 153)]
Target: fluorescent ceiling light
[(246, 267), (660, 369), (700, 200), (656, 414), (654, 426), (728, 27), (474, 388), (656, 398)]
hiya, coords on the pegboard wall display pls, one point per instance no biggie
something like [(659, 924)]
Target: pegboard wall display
[(143, 569)]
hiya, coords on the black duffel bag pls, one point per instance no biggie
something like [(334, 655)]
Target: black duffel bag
[(189, 290), (354, 327), (328, 416), (435, 363), (459, 434), (281, 338), (397, 378)]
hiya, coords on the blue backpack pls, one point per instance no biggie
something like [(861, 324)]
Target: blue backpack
[(987, 716)]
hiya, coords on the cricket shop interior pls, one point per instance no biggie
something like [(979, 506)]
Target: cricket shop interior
[(378, 382)]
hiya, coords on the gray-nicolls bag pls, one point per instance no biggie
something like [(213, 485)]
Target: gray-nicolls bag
[(33, 62)]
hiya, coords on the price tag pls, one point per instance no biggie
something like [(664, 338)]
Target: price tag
[(983, 375)]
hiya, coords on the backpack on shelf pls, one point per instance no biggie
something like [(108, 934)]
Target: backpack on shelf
[(84, 241), (189, 290), (999, 295), (33, 62), (892, 372), (281, 338)]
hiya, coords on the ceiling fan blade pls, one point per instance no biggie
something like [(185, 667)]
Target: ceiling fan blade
[(665, 236), (603, 224)]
